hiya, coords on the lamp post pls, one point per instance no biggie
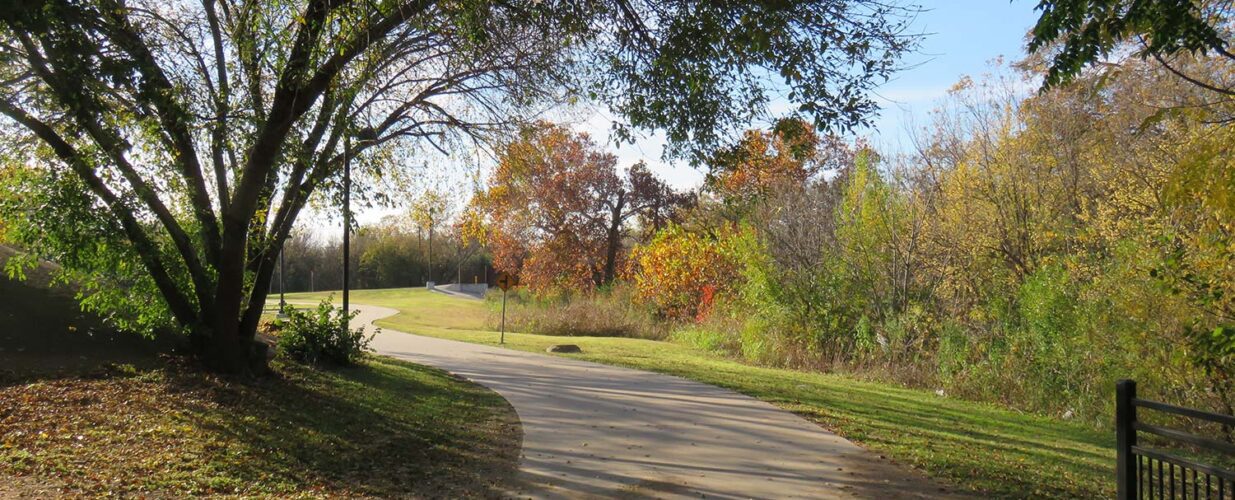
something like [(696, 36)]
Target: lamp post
[(282, 287), (347, 220), (431, 283)]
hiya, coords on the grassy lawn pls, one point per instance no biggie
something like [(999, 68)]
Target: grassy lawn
[(384, 429), (975, 446)]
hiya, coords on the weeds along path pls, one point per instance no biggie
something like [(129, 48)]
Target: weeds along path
[(597, 430)]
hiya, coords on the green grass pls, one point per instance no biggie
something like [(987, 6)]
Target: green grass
[(381, 429), (417, 307), (975, 446)]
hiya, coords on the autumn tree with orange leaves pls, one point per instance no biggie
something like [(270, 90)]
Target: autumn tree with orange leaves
[(557, 209), (765, 160)]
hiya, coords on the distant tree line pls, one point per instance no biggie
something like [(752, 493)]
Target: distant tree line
[(393, 253)]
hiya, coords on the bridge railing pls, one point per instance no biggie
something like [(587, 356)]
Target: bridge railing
[(1146, 471)]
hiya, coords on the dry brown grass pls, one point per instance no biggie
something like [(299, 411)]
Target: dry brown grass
[(612, 313)]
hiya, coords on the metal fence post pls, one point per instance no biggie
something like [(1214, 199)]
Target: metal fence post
[(1125, 439)]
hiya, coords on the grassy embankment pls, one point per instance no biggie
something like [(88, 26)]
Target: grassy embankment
[(106, 415), (975, 446)]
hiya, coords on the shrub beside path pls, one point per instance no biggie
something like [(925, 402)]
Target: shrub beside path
[(592, 429)]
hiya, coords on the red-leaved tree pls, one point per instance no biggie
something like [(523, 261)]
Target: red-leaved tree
[(557, 209)]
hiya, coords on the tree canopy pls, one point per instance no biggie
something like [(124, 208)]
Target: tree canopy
[(171, 146), (1078, 33)]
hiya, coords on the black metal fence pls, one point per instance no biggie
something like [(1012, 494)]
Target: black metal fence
[(1161, 472)]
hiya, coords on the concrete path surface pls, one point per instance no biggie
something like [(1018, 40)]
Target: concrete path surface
[(596, 431)]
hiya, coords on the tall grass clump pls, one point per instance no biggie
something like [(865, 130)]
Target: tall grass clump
[(608, 312)]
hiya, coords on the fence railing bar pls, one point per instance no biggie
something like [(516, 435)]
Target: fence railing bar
[(1140, 473), (1183, 483), (1135, 463), (1161, 482), (1187, 412), (1147, 479), (1125, 439), (1162, 456), (1211, 444), (1172, 478)]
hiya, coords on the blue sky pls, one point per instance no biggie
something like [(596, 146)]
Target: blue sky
[(962, 37)]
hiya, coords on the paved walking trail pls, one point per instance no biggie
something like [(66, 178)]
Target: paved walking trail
[(592, 430)]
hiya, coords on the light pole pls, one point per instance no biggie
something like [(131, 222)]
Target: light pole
[(282, 287), (430, 280), (347, 220)]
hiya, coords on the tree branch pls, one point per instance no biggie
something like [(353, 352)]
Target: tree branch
[(85, 110), (1192, 80), (221, 100), (173, 116)]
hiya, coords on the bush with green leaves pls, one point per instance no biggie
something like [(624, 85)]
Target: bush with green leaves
[(317, 336)]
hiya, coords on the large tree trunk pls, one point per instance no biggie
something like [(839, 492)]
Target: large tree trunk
[(228, 350)]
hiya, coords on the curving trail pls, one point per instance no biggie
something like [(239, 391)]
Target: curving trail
[(593, 430)]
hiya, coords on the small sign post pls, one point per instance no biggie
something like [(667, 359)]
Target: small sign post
[(505, 281)]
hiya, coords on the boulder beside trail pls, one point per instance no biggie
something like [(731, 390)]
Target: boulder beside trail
[(564, 348)]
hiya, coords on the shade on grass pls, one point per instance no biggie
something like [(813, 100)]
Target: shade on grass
[(382, 429)]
